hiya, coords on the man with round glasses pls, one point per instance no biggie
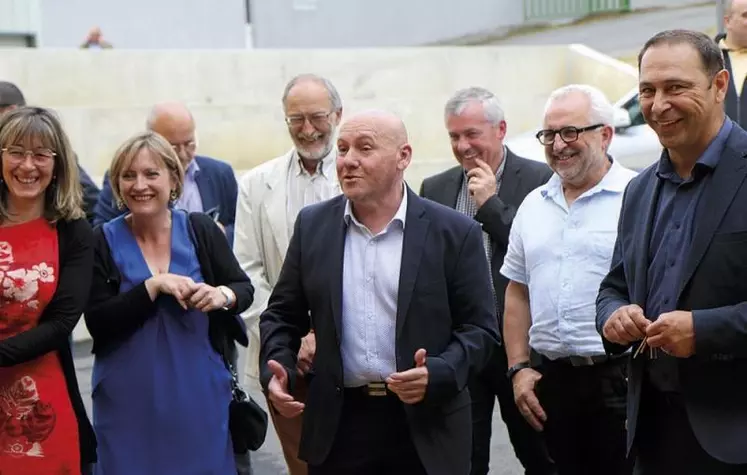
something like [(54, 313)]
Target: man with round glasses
[(560, 248), (270, 197)]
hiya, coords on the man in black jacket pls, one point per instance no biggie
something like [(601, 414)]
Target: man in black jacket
[(11, 97), (733, 45), (488, 185)]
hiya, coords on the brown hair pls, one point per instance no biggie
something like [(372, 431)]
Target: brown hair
[(160, 149), (63, 198)]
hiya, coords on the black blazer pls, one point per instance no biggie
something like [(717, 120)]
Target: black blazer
[(75, 242), (444, 306), (520, 176), (713, 286), (112, 317)]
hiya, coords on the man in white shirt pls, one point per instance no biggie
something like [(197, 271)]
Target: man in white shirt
[(270, 197), (560, 248)]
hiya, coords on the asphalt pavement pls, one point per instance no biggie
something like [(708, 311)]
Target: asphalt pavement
[(621, 35)]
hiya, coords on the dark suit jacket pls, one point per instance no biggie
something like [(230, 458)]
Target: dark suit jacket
[(90, 194), (444, 306), (520, 176), (713, 286), (216, 182)]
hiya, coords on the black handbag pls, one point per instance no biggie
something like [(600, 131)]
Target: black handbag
[(247, 421)]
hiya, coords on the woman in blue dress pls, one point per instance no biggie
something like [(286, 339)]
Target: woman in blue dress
[(164, 307)]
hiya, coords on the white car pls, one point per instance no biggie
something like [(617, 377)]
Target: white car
[(635, 144)]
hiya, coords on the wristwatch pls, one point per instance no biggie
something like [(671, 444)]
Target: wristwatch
[(229, 297), (516, 368)]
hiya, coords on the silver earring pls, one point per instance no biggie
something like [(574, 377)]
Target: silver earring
[(173, 195)]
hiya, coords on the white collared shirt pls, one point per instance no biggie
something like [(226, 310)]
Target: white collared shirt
[(306, 189), (370, 284), (562, 253)]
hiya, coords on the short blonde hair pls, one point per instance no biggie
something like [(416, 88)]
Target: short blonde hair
[(162, 152), (63, 198)]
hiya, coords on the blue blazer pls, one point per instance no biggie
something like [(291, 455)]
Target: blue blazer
[(216, 182), (444, 305), (713, 286)]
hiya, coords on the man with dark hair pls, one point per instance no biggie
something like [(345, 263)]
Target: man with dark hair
[(11, 97), (676, 293)]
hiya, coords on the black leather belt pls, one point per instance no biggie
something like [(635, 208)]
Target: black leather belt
[(377, 389), (578, 361)]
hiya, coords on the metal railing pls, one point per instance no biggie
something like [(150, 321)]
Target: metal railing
[(570, 9)]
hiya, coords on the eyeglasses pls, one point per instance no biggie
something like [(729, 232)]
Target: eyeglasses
[(189, 146), (40, 156), (567, 134), (318, 120)]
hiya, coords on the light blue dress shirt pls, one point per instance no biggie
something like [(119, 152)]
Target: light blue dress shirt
[(191, 200), (562, 253), (370, 284)]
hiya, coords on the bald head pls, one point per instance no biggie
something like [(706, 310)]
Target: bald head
[(175, 123), (372, 155), (384, 124), (735, 23)]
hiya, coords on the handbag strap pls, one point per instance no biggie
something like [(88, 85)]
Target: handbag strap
[(238, 392)]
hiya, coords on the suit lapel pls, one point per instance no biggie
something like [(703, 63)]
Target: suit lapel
[(276, 203), (336, 260), (647, 205), (717, 196), (204, 187), (511, 181), (416, 230), (450, 191)]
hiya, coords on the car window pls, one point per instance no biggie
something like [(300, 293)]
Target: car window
[(633, 107)]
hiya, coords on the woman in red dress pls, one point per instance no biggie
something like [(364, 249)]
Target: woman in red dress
[(46, 257)]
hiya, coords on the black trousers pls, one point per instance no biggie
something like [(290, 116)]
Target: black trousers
[(528, 445), (585, 406), (373, 438), (665, 443)]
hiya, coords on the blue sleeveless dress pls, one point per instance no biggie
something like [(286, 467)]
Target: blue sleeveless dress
[(160, 398)]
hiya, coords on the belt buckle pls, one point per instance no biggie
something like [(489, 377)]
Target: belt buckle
[(582, 361), (376, 389)]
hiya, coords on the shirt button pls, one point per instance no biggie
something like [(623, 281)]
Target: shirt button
[(676, 225), (671, 263)]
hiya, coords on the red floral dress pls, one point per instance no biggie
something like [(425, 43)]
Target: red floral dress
[(38, 429)]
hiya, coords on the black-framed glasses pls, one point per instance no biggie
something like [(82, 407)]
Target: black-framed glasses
[(40, 156), (319, 119), (567, 134)]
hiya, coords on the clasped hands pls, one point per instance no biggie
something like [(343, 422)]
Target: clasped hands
[(188, 293), (409, 386), (673, 332)]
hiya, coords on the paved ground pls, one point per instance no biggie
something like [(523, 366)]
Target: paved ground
[(269, 460), (623, 35)]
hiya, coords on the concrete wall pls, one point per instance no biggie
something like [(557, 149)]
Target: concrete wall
[(380, 23), (103, 97), (146, 24)]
